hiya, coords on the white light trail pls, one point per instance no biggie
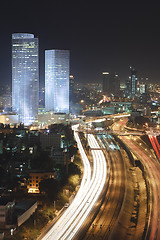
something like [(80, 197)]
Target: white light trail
[(91, 187)]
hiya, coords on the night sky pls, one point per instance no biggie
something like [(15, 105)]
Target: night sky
[(101, 35)]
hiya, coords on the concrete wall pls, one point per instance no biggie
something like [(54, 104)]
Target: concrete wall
[(26, 215)]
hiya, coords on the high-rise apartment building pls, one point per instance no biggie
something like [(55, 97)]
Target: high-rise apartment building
[(25, 77), (57, 81), (105, 82), (110, 83), (71, 87)]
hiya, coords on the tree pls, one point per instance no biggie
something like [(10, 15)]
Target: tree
[(1, 126), (51, 187), (72, 150), (21, 126), (41, 161), (7, 126), (68, 133), (74, 180), (73, 169)]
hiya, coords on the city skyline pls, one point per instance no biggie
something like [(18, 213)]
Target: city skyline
[(79, 120), (101, 37)]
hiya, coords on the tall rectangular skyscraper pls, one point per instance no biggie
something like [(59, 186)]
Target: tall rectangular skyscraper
[(25, 77), (110, 83), (57, 81), (131, 84)]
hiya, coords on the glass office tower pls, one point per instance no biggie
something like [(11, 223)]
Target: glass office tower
[(133, 82), (57, 81), (25, 77)]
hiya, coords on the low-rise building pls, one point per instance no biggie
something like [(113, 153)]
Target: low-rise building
[(7, 206), (48, 141), (35, 177), (47, 118), (58, 156), (11, 119)]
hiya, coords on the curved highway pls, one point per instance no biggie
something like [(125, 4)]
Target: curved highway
[(110, 209), (69, 224), (153, 170)]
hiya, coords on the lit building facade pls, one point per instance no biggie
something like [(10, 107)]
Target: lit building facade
[(142, 88), (25, 77), (131, 84), (71, 87), (34, 179), (57, 81)]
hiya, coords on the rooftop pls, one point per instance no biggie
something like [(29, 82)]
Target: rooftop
[(4, 200)]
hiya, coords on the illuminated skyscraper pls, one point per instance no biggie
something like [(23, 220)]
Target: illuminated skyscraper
[(71, 88), (131, 84), (57, 81), (25, 77)]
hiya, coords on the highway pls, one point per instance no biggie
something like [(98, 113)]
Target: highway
[(69, 224), (113, 199), (153, 170)]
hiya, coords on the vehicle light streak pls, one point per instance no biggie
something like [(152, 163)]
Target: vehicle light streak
[(153, 169), (93, 199), (75, 215), (85, 181), (155, 145)]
